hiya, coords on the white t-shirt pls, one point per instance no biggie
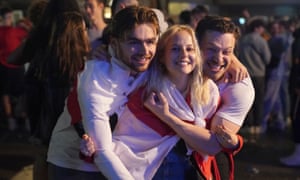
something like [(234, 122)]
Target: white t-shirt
[(237, 99)]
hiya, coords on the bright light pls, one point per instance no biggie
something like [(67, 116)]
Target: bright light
[(107, 12), (242, 20)]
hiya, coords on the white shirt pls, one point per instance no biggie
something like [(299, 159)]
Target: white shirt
[(237, 99), (102, 89)]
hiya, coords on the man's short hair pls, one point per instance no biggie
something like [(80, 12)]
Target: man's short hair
[(102, 1), (126, 20), (255, 23), (199, 9), (216, 23)]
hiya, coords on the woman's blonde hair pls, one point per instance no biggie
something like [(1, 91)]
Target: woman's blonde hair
[(198, 83)]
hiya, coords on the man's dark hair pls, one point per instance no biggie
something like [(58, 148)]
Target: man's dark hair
[(5, 10), (255, 23), (199, 9), (185, 17), (216, 23)]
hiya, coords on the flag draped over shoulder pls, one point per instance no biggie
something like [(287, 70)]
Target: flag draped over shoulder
[(142, 140)]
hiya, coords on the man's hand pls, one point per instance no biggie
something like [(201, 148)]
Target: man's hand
[(87, 146), (236, 71), (226, 138)]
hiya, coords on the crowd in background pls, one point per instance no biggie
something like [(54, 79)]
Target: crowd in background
[(269, 48)]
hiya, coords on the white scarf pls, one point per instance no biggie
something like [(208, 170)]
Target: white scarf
[(179, 106)]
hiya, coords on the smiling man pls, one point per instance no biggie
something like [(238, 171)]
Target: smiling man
[(103, 88), (217, 38)]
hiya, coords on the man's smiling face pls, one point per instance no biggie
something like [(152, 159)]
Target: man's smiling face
[(217, 49)]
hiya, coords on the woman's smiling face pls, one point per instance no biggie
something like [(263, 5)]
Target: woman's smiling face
[(180, 55)]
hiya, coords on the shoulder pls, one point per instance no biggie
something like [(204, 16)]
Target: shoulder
[(242, 91), (213, 87), (244, 86), (96, 66), (260, 39), (93, 70)]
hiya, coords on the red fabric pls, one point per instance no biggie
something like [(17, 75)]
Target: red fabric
[(204, 166), (238, 149), (10, 39), (135, 105), (88, 159), (233, 152), (73, 105)]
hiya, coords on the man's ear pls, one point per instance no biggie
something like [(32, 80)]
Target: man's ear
[(122, 5), (102, 5)]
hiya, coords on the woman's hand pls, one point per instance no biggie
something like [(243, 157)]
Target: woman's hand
[(158, 105)]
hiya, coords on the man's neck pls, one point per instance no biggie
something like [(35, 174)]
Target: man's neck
[(124, 66), (99, 25), (223, 79)]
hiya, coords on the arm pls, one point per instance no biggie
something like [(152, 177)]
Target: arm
[(219, 121), (199, 138), (16, 56), (237, 99), (95, 101)]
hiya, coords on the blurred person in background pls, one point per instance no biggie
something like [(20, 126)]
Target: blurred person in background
[(294, 158), (11, 76), (117, 5), (34, 14), (56, 49), (198, 13), (94, 10), (255, 54), (185, 17), (274, 118)]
